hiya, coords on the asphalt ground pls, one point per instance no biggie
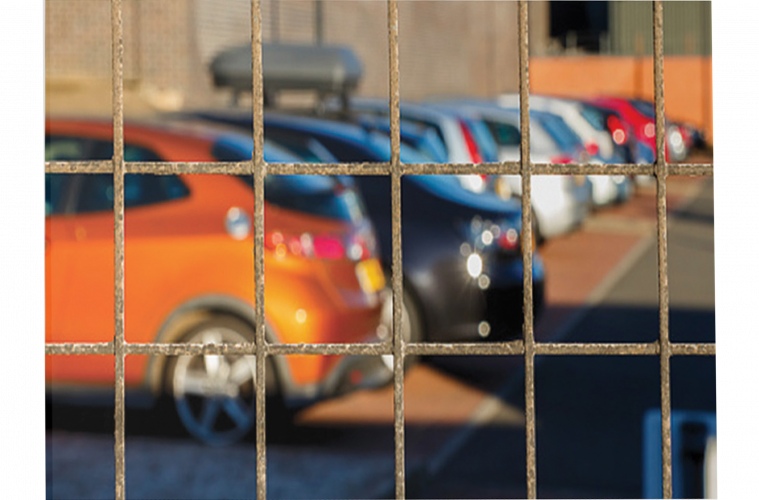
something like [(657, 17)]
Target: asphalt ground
[(589, 409), (464, 415)]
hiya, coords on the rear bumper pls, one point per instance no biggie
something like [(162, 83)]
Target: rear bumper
[(474, 313), (561, 203), (348, 374)]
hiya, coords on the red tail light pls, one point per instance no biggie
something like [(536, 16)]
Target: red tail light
[(471, 145), (328, 247), (509, 240), (618, 134), (592, 148), (360, 245), (564, 158)]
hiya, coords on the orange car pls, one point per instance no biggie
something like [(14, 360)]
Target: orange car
[(189, 274)]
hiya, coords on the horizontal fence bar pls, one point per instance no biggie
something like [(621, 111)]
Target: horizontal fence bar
[(376, 349), (683, 349), (79, 348), (596, 349), (514, 347), (376, 168)]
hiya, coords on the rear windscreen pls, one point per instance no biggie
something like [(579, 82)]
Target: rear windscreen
[(325, 196)]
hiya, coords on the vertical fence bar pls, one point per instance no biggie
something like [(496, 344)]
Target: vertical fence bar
[(117, 97), (661, 231), (259, 172), (397, 267), (525, 168)]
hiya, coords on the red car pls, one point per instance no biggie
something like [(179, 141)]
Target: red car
[(641, 117)]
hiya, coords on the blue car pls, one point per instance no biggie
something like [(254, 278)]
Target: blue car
[(461, 250)]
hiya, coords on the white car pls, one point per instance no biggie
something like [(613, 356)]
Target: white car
[(596, 141), (559, 202)]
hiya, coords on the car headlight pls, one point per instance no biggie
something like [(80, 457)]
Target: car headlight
[(474, 265)]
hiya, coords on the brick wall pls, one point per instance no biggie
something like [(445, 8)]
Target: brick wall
[(447, 48)]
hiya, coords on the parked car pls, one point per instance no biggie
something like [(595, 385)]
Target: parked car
[(312, 137), (679, 138), (642, 117), (461, 250), (623, 135), (560, 203), (421, 138), (621, 132), (578, 127), (456, 133), (596, 142), (189, 274), (462, 258)]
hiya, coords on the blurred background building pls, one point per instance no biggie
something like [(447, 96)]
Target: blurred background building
[(446, 48)]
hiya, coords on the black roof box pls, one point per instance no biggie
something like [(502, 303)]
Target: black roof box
[(326, 69)]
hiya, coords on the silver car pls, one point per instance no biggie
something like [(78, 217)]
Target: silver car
[(596, 140), (559, 202)]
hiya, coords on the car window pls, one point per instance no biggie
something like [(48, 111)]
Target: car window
[(346, 151), (61, 148), (594, 116), (65, 148), (240, 148), (558, 129), (325, 196), (429, 124), (96, 191), (54, 193), (308, 149), (503, 133), (103, 150), (644, 107), (484, 139), (428, 144)]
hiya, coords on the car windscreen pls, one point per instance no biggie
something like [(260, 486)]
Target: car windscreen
[(240, 148), (409, 154), (560, 132), (321, 195), (644, 107), (307, 148), (484, 139), (595, 116)]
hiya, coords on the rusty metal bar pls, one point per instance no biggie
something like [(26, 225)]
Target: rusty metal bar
[(397, 264), (514, 347), (525, 171), (259, 173), (694, 349), (509, 348), (661, 232), (117, 97), (375, 168), (73, 349)]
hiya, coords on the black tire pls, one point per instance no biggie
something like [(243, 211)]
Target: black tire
[(213, 397)]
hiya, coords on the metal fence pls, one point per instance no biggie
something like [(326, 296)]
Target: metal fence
[(396, 346)]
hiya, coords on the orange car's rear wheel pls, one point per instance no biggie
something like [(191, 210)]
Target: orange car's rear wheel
[(214, 395)]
